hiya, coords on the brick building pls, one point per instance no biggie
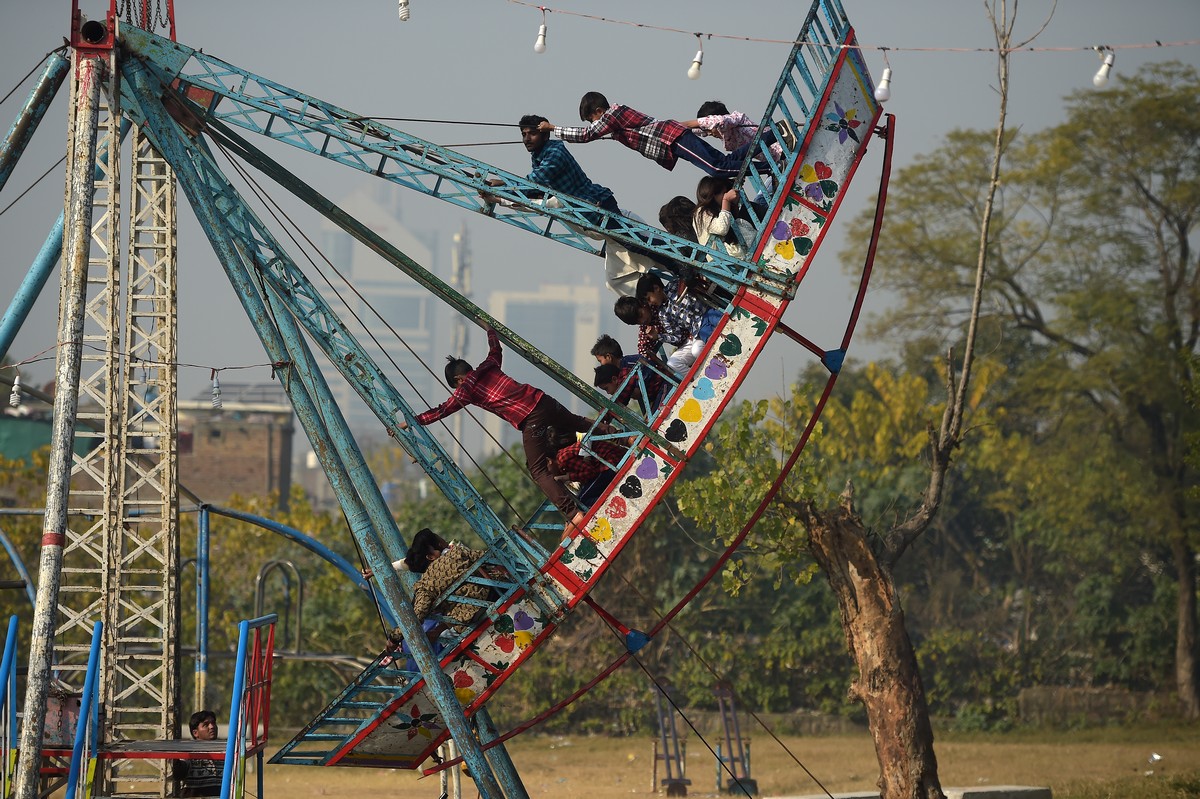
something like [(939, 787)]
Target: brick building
[(244, 448)]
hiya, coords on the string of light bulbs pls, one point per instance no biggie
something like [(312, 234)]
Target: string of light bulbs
[(883, 92), (14, 398)]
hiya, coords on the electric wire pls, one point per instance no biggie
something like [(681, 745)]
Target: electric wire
[(38, 358), (836, 46), (33, 185), (362, 562), (666, 695), (477, 144), (436, 121), (13, 90)]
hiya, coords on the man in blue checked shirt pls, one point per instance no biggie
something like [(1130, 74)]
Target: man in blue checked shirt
[(557, 169)]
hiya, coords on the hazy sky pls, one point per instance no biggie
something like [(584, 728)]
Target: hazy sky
[(473, 60)]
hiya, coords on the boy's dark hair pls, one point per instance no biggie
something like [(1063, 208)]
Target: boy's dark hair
[(605, 374), (531, 121), (424, 542), (712, 108), (676, 217), (198, 718), (627, 310), (607, 345), (646, 284), (455, 367), (590, 104)]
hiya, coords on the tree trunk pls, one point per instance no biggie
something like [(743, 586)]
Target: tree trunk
[(1185, 627), (888, 683)]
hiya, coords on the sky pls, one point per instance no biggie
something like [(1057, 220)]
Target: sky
[(473, 60)]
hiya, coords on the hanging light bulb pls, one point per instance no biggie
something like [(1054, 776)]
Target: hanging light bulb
[(404, 10), (216, 392), (693, 72), (883, 92), (539, 46), (14, 399), (1101, 77)]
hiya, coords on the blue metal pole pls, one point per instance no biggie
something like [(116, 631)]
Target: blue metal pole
[(86, 709), (8, 687), (19, 565), (212, 213), (235, 731), (35, 280), (235, 745), (39, 272), (8, 703), (26, 123), (202, 587), (506, 771)]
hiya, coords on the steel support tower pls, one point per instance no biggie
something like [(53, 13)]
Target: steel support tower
[(120, 550)]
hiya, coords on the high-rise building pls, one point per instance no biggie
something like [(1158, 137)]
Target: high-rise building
[(393, 318), (562, 321)]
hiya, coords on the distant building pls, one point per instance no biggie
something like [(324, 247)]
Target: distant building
[(243, 448), (562, 321)]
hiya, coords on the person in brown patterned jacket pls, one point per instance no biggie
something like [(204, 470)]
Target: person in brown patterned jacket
[(440, 564)]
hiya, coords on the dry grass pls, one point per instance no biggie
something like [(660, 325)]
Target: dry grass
[(606, 768)]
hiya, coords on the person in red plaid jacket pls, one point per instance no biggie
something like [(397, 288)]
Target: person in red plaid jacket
[(663, 141), (593, 475), (544, 423)]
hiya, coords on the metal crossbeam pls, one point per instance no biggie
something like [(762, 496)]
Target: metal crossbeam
[(143, 660), (217, 90)]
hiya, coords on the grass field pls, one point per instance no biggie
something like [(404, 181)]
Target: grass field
[(1085, 765)]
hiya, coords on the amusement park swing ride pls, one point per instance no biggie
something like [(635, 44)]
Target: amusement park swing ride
[(108, 589)]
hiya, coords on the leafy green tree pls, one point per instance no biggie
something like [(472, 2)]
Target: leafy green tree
[(1093, 265), (859, 564)]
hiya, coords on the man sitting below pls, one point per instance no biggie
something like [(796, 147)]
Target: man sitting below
[(200, 776)]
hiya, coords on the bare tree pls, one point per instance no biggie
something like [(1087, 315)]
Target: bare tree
[(859, 562)]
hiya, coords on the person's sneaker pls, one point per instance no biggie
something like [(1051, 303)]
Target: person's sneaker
[(787, 136)]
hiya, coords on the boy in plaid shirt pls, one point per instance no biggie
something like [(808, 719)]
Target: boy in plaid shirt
[(663, 141), (540, 418), (670, 314)]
